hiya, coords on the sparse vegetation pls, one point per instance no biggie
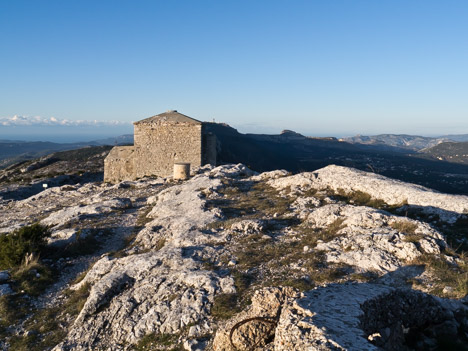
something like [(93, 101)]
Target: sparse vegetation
[(409, 229), (28, 240), (227, 305), (360, 198), (249, 200), (300, 284), (83, 244), (413, 238), (32, 278), (446, 275), (456, 233), (222, 224), (363, 277), (311, 235), (159, 342), (272, 262), (143, 216), (12, 309), (404, 226), (263, 253), (44, 328)]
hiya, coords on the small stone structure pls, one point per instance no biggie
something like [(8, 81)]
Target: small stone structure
[(160, 142), (181, 171)]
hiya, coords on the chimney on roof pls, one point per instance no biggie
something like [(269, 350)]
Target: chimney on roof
[(171, 111)]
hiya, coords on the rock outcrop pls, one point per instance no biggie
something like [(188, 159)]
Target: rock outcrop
[(392, 192), (232, 260)]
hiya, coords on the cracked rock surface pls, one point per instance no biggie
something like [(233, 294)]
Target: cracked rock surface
[(232, 260)]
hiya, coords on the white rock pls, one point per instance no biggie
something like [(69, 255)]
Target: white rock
[(270, 175), (326, 319), (248, 226), (158, 291), (96, 207), (391, 191), (367, 241)]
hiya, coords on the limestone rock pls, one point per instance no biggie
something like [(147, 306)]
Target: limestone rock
[(256, 325), (248, 226), (96, 207), (167, 279), (368, 241), (270, 175), (158, 291), (326, 319), (393, 192)]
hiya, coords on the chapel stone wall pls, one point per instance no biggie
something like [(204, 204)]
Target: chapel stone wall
[(119, 164), (159, 145)]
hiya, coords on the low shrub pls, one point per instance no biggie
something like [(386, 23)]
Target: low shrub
[(32, 278), (404, 227), (27, 240)]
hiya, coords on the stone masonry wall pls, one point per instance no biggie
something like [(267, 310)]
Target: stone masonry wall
[(159, 145), (119, 164)]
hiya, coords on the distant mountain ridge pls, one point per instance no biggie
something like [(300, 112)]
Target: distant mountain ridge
[(404, 142), (13, 151), (297, 153)]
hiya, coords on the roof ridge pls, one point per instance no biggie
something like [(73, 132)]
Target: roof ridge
[(169, 116)]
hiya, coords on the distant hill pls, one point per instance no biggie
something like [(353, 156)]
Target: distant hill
[(296, 153), (450, 152), (25, 178), (288, 150), (14, 151), (397, 142), (456, 137), (118, 140)]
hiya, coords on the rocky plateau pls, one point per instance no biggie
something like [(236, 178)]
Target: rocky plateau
[(334, 259)]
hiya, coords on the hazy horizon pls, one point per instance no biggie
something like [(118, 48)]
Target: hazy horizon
[(86, 133)]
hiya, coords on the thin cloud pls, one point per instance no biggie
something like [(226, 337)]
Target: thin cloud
[(17, 120)]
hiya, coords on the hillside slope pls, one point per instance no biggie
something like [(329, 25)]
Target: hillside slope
[(12, 151), (403, 142), (297, 153), (450, 152)]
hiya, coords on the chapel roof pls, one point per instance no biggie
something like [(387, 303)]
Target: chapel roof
[(171, 116)]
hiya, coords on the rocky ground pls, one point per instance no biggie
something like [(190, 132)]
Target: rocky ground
[(335, 259)]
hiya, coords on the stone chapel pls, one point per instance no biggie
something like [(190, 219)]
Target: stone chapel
[(160, 142)]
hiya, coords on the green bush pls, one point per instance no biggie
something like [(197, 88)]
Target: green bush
[(27, 240)]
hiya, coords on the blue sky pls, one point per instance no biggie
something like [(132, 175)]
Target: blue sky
[(325, 67)]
